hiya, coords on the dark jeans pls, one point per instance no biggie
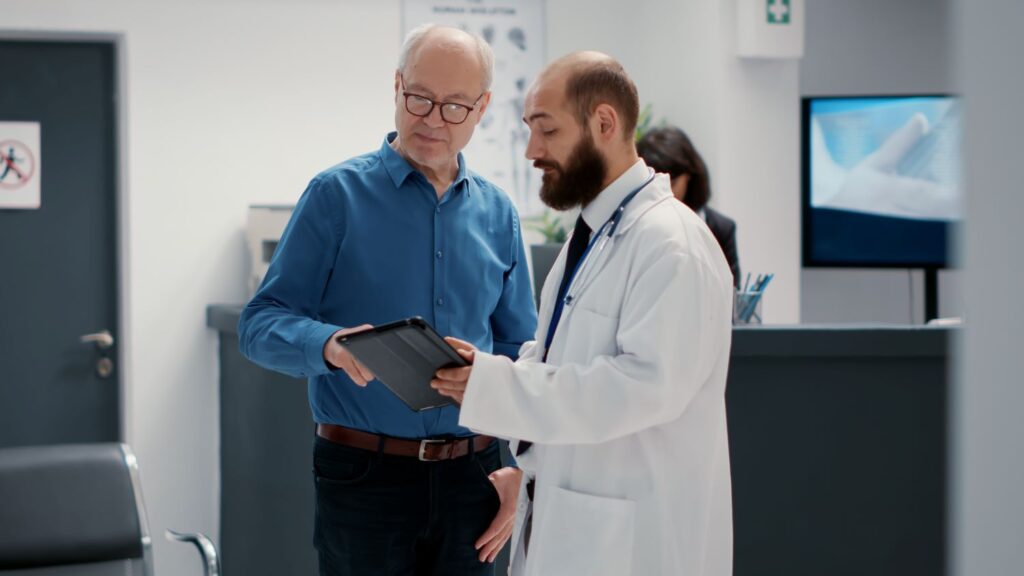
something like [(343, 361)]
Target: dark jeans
[(378, 514)]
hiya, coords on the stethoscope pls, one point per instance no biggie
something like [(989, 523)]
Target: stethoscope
[(596, 246)]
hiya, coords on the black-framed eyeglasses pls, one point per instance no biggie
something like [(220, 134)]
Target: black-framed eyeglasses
[(451, 112)]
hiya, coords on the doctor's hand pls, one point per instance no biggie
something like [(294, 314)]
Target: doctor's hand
[(452, 382), (338, 357), (506, 482)]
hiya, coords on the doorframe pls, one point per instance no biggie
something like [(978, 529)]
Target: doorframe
[(121, 199)]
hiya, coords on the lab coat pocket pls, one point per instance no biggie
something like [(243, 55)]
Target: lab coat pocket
[(582, 535), (590, 334)]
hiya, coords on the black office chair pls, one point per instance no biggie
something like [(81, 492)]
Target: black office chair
[(77, 510)]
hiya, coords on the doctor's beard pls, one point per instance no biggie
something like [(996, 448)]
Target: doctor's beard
[(579, 182)]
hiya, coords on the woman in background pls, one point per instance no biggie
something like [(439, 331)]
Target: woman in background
[(669, 150)]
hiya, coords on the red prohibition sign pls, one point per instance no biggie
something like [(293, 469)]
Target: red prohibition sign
[(17, 165)]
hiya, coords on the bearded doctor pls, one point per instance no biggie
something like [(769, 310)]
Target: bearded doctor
[(619, 402)]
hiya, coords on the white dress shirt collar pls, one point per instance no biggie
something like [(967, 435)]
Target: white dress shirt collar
[(601, 209)]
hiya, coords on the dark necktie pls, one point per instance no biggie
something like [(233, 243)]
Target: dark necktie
[(577, 247)]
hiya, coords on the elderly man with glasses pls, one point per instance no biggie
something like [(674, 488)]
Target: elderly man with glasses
[(406, 230)]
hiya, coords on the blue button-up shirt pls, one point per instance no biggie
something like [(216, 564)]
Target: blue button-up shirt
[(369, 243)]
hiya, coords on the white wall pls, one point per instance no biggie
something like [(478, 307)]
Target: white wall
[(228, 103), (757, 172), (876, 47), (233, 102), (987, 506), (666, 46), (742, 115), (873, 47)]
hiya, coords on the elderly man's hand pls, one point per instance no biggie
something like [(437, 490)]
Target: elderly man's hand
[(338, 357), (506, 482), (451, 382)]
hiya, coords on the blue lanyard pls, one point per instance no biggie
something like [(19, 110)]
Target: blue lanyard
[(606, 230)]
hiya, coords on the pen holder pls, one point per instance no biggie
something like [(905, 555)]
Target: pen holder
[(746, 307)]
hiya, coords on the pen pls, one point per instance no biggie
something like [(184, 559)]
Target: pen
[(758, 291)]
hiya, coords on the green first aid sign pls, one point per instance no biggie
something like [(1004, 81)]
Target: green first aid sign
[(778, 11)]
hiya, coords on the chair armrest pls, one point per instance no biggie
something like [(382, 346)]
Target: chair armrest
[(211, 562)]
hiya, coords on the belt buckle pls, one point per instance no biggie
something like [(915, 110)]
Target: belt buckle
[(423, 448)]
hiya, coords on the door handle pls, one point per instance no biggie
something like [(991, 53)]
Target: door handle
[(103, 339)]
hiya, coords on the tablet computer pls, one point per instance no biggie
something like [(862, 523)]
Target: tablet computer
[(404, 356)]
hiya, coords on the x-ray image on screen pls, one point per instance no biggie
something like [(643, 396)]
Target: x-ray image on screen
[(882, 179), (888, 156)]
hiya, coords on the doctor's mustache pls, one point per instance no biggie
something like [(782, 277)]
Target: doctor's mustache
[(542, 164)]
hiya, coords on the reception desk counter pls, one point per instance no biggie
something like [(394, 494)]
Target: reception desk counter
[(837, 439)]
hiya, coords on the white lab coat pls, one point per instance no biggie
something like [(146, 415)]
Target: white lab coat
[(627, 415)]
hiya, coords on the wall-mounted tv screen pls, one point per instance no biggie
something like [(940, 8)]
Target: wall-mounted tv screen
[(881, 180)]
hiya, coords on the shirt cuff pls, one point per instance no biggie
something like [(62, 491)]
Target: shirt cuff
[(314, 349)]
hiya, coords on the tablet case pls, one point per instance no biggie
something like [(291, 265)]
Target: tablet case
[(404, 356)]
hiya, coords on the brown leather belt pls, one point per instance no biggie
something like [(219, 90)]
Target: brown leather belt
[(429, 450)]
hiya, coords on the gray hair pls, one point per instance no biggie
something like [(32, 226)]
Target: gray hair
[(416, 36)]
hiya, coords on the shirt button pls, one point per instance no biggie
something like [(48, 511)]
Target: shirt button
[(440, 254), (438, 209), (440, 301)]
